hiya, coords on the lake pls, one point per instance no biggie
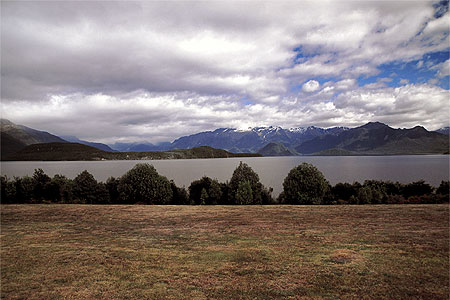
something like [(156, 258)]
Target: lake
[(271, 170)]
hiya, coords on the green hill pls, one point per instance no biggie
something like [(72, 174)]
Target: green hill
[(75, 151)]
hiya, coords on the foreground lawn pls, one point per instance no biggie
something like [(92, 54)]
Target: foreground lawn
[(224, 252)]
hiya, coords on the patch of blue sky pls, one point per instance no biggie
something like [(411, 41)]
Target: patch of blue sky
[(245, 99), (423, 70)]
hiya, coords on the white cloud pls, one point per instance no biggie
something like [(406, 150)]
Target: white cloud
[(157, 70), (404, 81), (311, 86), (444, 69)]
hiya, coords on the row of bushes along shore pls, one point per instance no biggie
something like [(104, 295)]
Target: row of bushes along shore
[(305, 184)]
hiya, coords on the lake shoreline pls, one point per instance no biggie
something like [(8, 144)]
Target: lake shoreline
[(271, 170)]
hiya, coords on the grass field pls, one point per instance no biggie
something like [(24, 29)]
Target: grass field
[(224, 252)]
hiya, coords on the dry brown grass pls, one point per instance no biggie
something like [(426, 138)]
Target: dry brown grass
[(224, 252)]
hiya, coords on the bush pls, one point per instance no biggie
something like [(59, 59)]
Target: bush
[(417, 188), (243, 173), (205, 191), (305, 184), (87, 190), (266, 196), (444, 188), (225, 191), (60, 189), (143, 184), (343, 191), (244, 194), (180, 195), (24, 189), (41, 181), (3, 187), (112, 188)]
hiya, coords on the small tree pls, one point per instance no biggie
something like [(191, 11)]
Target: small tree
[(180, 195), (210, 196), (24, 188), (111, 186), (85, 188), (203, 196), (3, 186), (305, 184), (144, 184), (417, 188), (244, 173), (343, 191), (443, 188), (60, 189), (41, 180), (244, 193)]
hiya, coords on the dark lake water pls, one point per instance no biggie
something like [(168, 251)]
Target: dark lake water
[(271, 170)]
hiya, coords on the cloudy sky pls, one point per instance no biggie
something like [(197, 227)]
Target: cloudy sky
[(154, 71)]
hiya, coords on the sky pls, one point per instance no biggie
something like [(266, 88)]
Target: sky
[(154, 71)]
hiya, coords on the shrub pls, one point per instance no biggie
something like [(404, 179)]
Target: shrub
[(444, 188), (343, 191), (266, 196), (41, 180), (24, 189), (205, 191), (60, 189), (3, 187), (244, 194), (417, 188), (305, 184), (244, 173), (180, 195), (225, 191), (87, 190), (112, 188), (143, 184)]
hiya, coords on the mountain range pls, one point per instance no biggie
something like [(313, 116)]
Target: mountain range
[(15, 137), (376, 138), (74, 139), (373, 138)]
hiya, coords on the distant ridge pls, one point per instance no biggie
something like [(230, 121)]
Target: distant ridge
[(444, 130), (27, 135), (80, 152), (15, 137), (276, 149), (253, 139), (376, 138), (373, 138), (74, 139)]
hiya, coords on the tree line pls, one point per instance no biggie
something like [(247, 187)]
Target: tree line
[(304, 184)]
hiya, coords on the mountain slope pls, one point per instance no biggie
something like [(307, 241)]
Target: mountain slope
[(276, 149), (75, 152), (444, 130), (27, 135), (74, 139), (379, 139), (9, 145), (140, 147), (15, 137), (253, 139)]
